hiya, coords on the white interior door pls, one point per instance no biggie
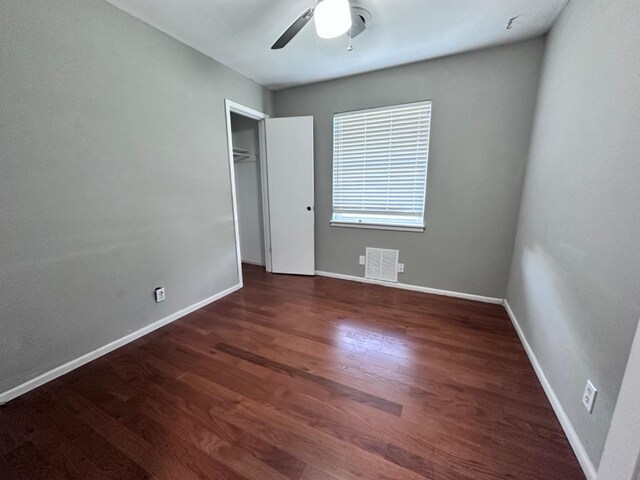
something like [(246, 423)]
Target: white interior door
[(290, 182)]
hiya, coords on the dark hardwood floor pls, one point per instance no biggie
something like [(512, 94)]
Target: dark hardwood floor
[(299, 378)]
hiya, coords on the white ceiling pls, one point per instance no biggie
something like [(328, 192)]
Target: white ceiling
[(239, 33)]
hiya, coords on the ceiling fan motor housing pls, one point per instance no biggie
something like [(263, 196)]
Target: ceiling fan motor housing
[(361, 18)]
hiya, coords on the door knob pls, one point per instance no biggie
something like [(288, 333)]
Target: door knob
[(308, 209)]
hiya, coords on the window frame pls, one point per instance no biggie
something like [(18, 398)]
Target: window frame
[(378, 223)]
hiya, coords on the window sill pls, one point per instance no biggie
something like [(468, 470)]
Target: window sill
[(374, 226)]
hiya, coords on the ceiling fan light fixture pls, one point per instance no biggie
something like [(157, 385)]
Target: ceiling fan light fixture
[(332, 18)]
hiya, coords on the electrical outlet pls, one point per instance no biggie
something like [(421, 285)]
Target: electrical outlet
[(362, 260), (401, 268), (589, 397), (160, 296)]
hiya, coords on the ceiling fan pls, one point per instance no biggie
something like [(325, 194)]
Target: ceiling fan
[(332, 18)]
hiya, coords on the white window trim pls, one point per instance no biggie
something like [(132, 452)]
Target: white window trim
[(382, 225)]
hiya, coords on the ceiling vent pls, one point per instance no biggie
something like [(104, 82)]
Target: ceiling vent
[(382, 264)]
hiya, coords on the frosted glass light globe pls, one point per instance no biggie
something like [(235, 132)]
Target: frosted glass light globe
[(332, 18)]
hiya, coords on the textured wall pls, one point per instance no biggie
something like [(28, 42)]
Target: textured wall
[(114, 179), (483, 104), (575, 278)]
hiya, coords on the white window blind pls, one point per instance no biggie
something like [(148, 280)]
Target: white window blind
[(380, 166)]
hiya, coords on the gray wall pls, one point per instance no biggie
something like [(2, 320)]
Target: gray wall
[(483, 104), (575, 278), (249, 190), (114, 179)]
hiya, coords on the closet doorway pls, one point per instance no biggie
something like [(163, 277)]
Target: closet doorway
[(272, 190), (247, 153)]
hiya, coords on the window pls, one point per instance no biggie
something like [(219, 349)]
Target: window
[(380, 167)]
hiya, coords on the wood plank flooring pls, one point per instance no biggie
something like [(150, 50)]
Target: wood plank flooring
[(302, 379)]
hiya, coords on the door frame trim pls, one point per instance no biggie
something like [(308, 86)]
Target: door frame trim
[(229, 107)]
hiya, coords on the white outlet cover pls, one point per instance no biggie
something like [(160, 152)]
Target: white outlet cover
[(160, 295), (589, 396), (401, 268), (362, 260)]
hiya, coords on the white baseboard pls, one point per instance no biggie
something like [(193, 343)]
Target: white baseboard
[(572, 436), (86, 358), (415, 288)]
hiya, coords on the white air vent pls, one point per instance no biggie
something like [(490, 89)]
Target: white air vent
[(382, 264)]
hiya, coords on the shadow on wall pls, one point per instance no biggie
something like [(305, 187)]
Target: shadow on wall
[(547, 299), (557, 322), (550, 298)]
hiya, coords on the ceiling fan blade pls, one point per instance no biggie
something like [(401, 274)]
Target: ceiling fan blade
[(293, 30)]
